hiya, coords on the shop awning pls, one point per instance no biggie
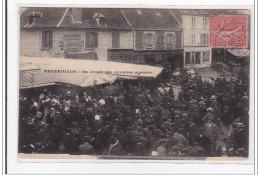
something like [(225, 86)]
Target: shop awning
[(239, 52), (32, 78), (87, 72)]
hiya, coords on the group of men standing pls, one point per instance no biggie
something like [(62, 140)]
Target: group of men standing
[(143, 119)]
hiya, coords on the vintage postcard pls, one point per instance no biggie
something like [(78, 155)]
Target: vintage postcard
[(134, 83)]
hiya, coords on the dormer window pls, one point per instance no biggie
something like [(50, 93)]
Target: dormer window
[(100, 18), (76, 15), (30, 20), (139, 12), (32, 16), (158, 14)]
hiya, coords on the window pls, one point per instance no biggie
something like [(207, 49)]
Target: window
[(187, 57), (169, 40), (158, 14), (204, 39), (149, 40), (205, 23), (30, 20), (115, 39), (139, 12), (193, 56), (193, 22), (197, 58), (193, 39), (91, 40), (33, 16), (205, 56), (47, 39)]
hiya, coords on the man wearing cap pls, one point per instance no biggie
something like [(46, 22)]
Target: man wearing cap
[(68, 96), (209, 115), (216, 109)]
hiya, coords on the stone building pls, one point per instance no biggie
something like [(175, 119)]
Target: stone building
[(195, 23), (144, 36)]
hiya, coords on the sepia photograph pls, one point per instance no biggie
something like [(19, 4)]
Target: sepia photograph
[(134, 83)]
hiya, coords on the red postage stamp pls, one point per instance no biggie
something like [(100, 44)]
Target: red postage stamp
[(228, 31)]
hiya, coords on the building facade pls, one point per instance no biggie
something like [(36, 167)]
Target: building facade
[(157, 38), (72, 33), (143, 36), (195, 23)]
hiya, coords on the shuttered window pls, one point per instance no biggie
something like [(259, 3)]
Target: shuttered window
[(169, 40), (115, 39), (91, 40), (193, 39), (193, 22), (204, 39), (205, 23), (149, 40), (47, 39)]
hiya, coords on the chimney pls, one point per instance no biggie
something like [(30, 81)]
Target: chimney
[(100, 19), (76, 15)]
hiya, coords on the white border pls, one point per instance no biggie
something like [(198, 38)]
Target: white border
[(164, 167)]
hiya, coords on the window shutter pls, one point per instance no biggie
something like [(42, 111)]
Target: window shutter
[(165, 41), (154, 40), (144, 40), (43, 38), (96, 39), (50, 39), (115, 39), (201, 39), (88, 39), (174, 39)]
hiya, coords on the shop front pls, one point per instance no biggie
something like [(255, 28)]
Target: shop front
[(148, 57), (197, 57)]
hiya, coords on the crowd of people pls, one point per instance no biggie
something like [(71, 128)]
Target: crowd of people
[(146, 118)]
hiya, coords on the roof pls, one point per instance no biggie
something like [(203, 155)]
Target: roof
[(50, 17), (112, 18), (151, 19), (62, 18), (229, 12), (70, 71), (207, 12), (178, 13), (32, 78)]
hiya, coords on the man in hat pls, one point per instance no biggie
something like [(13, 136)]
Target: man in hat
[(226, 122), (202, 110), (68, 96), (67, 117), (211, 133), (209, 115)]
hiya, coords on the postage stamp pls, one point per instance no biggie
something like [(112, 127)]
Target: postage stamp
[(228, 31)]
